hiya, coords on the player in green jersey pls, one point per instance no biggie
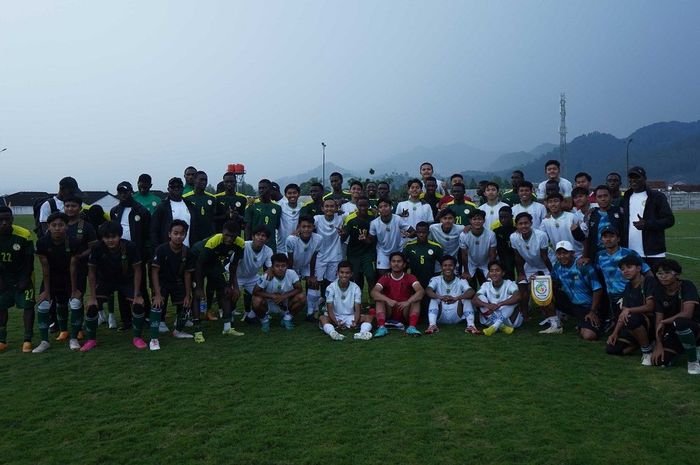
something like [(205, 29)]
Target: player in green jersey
[(460, 206), (203, 207), (230, 205), (422, 254), (361, 252), (264, 211), (144, 196)]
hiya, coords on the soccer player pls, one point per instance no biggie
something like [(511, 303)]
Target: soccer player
[(330, 227), (171, 279), (601, 217), (511, 196), (583, 180), (582, 204), (355, 193), (426, 171), (211, 256), (189, 174), (562, 226), (579, 291), (314, 206), (477, 249), (422, 255), (371, 190), (114, 266), (399, 294), (460, 207), (67, 187), (171, 208), (635, 325), (677, 317), (361, 252), (413, 210), (264, 211), (537, 211), (302, 251), (203, 206), (337, 193), (387, 233), (135, 221), (503, 249), (276, 194), (144, 196), (552, 172), (531, 258), (246, 268), (289, 215), (454, 179), (279, 291), (613, 181), (497, 299), (16, 272), (492, 204), (343, 307), (446, 233), (607, 262), (430, 196), (58, 256), (450, 298), (84, 233), (230, 205)]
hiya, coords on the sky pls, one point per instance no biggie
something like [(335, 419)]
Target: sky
[(106, 90)]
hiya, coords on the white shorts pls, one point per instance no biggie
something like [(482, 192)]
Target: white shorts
[(383, 262), (343, 320), (273, 307), (248, 283), (449, 315), (506, 311), (327, 270)]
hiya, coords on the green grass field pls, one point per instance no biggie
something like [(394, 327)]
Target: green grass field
[(300, 398)]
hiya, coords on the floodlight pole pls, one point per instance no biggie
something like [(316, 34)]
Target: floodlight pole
[(323, 166)]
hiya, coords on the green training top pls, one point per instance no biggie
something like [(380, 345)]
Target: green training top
[(203, 213), (267, 214), (14, 250), (150, 201), (353, 225), (422, 258)]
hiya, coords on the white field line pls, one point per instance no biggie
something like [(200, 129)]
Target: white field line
[(684, 256)]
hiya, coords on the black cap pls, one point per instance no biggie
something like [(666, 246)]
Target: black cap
[(175, 182), (69, 183), (125, 186), (637, 171)]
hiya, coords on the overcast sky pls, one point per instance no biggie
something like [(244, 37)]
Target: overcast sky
[(105, 90)]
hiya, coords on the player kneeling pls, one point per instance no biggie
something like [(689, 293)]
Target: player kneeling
[(343, 305), (449, 298), (278, 291), (400, 293), (497, 299)]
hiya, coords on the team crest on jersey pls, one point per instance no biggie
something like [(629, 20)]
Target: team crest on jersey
[(15, 247), (137, 218), (238, 204), (274, 210), (154, 203), (209, 202), (466, 211), (666, 303), (430, 251), (616, 215)]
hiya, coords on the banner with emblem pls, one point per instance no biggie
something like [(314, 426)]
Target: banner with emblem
[(541, 290)]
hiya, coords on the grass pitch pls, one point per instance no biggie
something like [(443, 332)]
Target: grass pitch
[(300, 398)]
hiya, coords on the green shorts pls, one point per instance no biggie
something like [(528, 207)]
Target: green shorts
[(364, 265), (13, 297)]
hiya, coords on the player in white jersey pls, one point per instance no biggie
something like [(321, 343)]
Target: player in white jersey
[(289, 215), (552, 171), (386, 232), (278, 291), (562, 226), (355, 193), (477, 248), (426, 171), (343, 306), (414, 210), (449, 298), (536, 210), (256, 256), (446, 233), (330, 227), (302, 251), (492, 204), (497, 300)]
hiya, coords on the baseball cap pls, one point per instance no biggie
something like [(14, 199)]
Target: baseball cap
[(69, 183), (637, 171), (125, 186), (609, 229), (566, 245)]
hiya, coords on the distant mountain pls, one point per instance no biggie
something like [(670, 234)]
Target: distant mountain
[(668, 151), (447, 159), (518, 158), (317, 173)]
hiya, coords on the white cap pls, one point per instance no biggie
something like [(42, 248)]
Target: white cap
[(566, 245)]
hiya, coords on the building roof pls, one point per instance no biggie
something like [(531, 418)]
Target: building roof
[(25, 198)]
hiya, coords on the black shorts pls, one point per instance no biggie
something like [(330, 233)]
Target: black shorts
[(579, 312), (176, 294), (104, 290), (60, 291)]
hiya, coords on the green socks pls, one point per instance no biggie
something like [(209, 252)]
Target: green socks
[(688, 340), (43, 320), (154, 318), (138, 322)]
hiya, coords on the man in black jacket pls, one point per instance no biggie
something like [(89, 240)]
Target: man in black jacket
[(647, 215), (172, 208), (136, 224), (604, 215)]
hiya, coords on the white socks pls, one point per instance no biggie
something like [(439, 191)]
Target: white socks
[(312, 298)]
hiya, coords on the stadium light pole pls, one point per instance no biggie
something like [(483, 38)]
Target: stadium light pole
[(323, 166), (627, 167)]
